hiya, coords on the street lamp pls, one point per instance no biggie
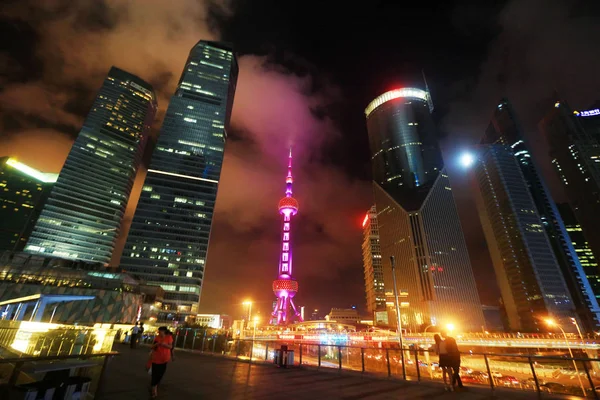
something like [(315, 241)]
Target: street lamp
[(467, 159), (574, 322), (398, 321), (551, 322), (450, 328)]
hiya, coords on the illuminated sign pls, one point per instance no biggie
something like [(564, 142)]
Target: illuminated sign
[(396, 94), (34, 173), (589, 113)]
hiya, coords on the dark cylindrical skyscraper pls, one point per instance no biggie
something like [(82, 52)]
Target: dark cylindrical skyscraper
[(417, 216)]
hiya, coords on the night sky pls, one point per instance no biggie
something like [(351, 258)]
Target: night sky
[(307, 71)]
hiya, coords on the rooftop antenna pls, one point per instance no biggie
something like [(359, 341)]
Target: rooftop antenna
[(429, 99)]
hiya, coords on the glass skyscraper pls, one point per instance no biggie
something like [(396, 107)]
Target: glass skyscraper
[(581, 246), (574, 141), (417, 217), (168, 240), (527, 271), (505, 129), (22, 194), (84, 211)]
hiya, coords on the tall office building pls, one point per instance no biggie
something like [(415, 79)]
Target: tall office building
[(373, 268), (84, 211), (574, 140), (530, 280), (504, 129), (22, 193), (582, 248), (168, 240), (417, 217)]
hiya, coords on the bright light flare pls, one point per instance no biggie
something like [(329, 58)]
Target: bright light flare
[(247, 303), (550, 322), (467, 159), (450, 327)]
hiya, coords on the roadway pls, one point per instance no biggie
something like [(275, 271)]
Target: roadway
[(195, 376)]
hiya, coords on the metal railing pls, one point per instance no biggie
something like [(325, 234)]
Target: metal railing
[(78, 373), (541, 374)]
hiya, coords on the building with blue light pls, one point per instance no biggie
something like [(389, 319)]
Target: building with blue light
[(574, 141), (84, 211), (168, 241), (417, 216), (505, 130)]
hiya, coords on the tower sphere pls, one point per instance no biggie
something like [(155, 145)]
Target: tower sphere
[(288, 203)]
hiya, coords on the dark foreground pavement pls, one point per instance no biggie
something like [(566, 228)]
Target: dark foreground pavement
[(195, 376)]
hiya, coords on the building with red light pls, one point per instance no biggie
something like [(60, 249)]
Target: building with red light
[(417, 219), (373, 268)]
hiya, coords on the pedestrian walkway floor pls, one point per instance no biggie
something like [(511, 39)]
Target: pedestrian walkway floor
[(196, 376)]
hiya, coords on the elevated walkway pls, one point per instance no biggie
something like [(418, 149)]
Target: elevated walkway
[(197, 376)]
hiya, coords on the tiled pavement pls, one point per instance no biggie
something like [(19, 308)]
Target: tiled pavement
[(195, 376)]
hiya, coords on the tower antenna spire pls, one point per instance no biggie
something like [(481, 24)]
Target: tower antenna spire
[(429, 99)]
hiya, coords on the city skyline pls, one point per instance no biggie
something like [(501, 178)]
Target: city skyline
[(293, 92)]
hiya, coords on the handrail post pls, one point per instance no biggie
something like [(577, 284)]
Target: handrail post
[(362, 358), (267, 352), (535, 379), (417, 364), (194, 339), (300, 360), (587, 372), (15, 373), (387, 357), (185, 338), (319, 351), (214, 343), (203, 340), (176, 337), (340, 358), (237, 349), (487, 367), (102, 377)]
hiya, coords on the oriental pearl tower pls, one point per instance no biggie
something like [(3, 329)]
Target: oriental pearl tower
[(285, 287)]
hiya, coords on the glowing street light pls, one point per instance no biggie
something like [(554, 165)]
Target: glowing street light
[(450, 328), (467, 159), (551, 322)]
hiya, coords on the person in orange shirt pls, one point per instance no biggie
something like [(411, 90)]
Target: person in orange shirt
[(161, 355)]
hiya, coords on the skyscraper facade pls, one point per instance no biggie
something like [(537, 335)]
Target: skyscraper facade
[(505, 129), (417, 217), (168, 240), (373, 268), (22, 194), (527, 271), (582, 248), (84, 211), (574, 143)]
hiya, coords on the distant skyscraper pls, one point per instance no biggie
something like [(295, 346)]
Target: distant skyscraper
[(531, 282), (373, 265), (505, 129), (574, 140), (82, 217), (22, 194), (417, 217), (168, 240), (580, 243)]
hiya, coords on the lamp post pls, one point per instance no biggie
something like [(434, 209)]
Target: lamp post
[(248, 304), (574, 321), (398, 322), (551, 322), (256, 319)]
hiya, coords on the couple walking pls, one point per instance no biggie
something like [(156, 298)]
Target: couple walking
[(447, 349)]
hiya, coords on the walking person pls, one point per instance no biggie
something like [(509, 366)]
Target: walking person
[(440, 349), (454, 359), (160, 356), (134, 336)]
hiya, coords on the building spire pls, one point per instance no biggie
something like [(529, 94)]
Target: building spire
[(289, 180)]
